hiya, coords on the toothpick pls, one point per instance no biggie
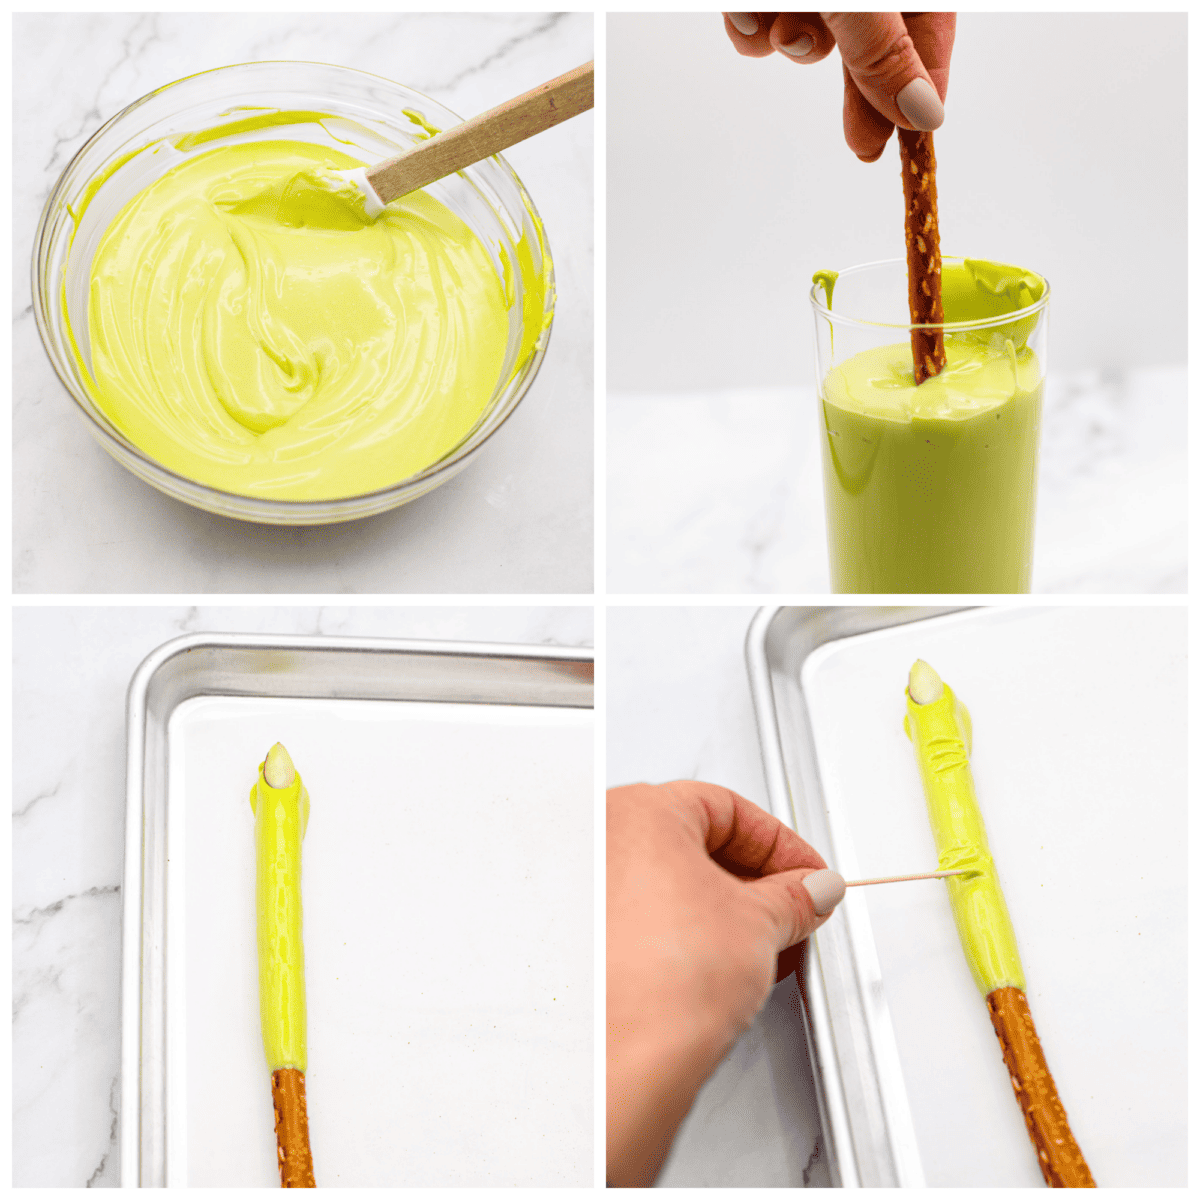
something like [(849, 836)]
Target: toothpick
[(903, 878)]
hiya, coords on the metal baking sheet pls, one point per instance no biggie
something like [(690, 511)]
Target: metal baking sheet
[(1080, 764), (448, 911)]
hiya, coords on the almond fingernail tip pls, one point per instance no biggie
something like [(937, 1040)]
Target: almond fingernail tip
[(800, 48), (826, 889), (920, 105)]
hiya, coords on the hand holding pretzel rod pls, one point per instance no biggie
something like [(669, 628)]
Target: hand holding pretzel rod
[(895, 66)]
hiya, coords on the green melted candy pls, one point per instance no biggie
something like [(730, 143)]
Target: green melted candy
[(941, 736), (932, 488)]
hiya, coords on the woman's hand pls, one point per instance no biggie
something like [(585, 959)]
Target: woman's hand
[(896, 66), (708, 898)]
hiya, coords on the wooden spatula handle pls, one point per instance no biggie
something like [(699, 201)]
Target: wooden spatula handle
[(485, 135)]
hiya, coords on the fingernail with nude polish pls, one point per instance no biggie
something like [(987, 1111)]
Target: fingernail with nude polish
[(920, 105), (745, 23), (826, 889), (800, 48)]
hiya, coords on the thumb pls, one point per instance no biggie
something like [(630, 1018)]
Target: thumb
[(879, 55), (798, 901)]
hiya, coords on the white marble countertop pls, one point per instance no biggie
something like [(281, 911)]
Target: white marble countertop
[(68, 829), (721, 491), (676, 714), (517, 520)]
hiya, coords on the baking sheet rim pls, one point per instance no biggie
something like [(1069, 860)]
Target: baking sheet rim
[(831, 1098), (136, 741)]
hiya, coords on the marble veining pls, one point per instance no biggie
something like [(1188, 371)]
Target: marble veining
[(71, 669), (721, 491), (517, 520)]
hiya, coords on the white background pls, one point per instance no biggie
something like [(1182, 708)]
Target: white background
[(729, 184), (447, 879)]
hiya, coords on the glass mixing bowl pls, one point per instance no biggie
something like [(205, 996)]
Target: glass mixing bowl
[(371, 120)]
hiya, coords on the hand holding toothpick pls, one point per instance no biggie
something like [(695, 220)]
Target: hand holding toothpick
[(905, 878)]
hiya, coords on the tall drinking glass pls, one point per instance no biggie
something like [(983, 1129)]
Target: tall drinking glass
[(930, 488)]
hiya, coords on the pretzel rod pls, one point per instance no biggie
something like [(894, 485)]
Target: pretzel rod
[(280, 803), (918, 168), (1058, 1154), (291, 1128), (940, 729)]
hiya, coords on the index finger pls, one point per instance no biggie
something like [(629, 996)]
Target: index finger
[(879, 53), (933, 38), (742, 837), (750, 33)]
